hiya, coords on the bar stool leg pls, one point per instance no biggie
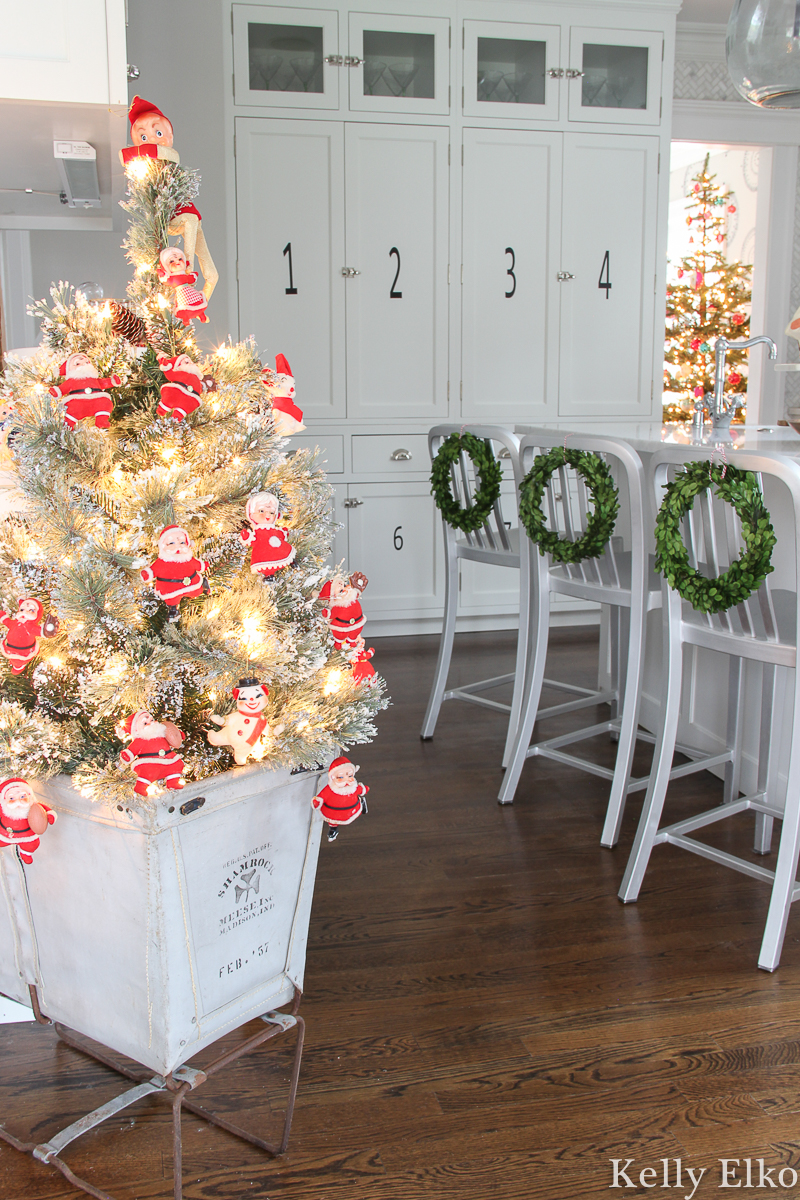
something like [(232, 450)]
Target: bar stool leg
[(445, 643), (538, 632), (523, 635), (733, 738), (634, 661)]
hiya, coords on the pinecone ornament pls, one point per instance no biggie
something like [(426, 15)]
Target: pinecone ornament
[(126, 324)]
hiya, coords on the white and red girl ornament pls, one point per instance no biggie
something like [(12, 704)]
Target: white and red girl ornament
[(271, 550), (86, 395), (153, 752), (23, 818), (243, 730), (24, 632), (176, 574), (286, 416), (342, 800), (343, 609), (180, 395), (361, 667), (174, 272)]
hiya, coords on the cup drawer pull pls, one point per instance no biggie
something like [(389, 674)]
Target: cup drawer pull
[(400, 456)]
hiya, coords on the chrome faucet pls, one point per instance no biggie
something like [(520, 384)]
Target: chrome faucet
[(723, 410)]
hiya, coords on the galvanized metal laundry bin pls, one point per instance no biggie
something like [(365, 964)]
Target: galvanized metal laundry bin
[(156, 933)]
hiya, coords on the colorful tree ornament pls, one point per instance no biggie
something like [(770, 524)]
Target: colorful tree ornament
[(173, 271), (271, 551), (87, 396), (342, 800), (24, 633), (343, 609), (23, 818), (244, 729), (362, 669), (287, 417), (176, 574), (180, 395), (153, 751)]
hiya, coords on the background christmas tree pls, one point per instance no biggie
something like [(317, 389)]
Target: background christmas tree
[(97, 500), (709, 300)]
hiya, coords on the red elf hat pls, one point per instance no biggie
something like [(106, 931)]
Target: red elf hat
[(141, 108)]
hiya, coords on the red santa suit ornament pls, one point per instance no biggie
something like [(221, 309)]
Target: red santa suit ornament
[(341, 801), (153, 752), (362, 669), (286, 416), (343, 610), (180, 394), (173, 271), (244, 729), (24, 632), (23, 818), (176, 574), (270, 549), (85, 394)]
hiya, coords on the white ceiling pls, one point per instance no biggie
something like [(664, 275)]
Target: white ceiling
[(714, 12)]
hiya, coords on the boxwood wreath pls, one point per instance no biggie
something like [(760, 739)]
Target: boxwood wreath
[(489, 474), (602, 490), (745, 575)]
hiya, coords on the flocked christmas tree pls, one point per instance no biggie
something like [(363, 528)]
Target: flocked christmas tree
[(169, 553), (710, 299)]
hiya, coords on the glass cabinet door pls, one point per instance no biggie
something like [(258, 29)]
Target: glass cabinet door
[(615, 76), (399, 64), (511, 70), (285, 57)]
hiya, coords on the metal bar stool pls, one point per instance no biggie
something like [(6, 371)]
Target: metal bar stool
[(763, 629), (495, 543), (621, 577)]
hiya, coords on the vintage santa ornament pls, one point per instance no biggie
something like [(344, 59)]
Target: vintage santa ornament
[(271, 550), (361, 667), (85, 394), (286, 416), (343, 609), (174, 272), (244, 730), (24, 632), (342, 800), (23, 818), (176, 574), (180, 395), (153, 752)]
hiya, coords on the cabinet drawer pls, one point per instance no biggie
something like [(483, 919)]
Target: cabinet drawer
[(386, 452), (331, 446)]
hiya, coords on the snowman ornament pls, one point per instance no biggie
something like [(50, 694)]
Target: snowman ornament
[(243, 729)]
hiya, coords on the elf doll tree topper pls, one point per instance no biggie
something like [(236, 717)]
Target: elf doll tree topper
[(86, 395), (152, 137), (342, 800), (271, 551), (176, 574), (24, 632), (153, 752), (286, 416), (243, 730), (343, 610), (23, 818)]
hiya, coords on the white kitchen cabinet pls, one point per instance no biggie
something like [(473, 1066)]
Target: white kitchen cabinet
[(615, 76), (511, 253), (71, 51), (286, 58), (291, 251), (397, 223), (402, 64), (511, 70), (608, 243)]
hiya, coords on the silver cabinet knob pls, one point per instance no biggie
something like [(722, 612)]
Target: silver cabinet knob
[(352, 60), (400, 456), (573, 73), (563, 276), (352, 503), (350, 272), (556, 72), (333, 60)]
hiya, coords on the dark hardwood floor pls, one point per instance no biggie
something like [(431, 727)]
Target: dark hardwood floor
[(485, 1020)]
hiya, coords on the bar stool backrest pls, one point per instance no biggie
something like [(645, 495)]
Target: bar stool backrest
[(712, 535), (504, 445), (567, 505)]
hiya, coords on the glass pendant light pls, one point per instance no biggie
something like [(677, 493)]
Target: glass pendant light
[(763, 51)]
